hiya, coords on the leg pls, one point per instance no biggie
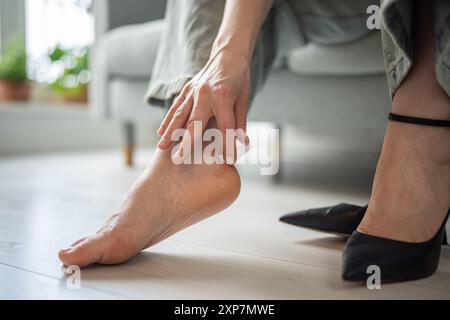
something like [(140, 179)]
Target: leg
[(411, 190), (129, 143), (165, 199)]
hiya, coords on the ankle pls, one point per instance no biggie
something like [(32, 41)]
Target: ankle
[(432, 105)]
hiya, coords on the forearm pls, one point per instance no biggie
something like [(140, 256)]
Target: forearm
[(240, 26)]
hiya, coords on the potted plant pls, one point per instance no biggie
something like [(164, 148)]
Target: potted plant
[(75, 75), (14, 84)]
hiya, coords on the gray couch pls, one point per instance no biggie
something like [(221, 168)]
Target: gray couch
[(340, 89)]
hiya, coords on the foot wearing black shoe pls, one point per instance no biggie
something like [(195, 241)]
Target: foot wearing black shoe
[(404, 224), (341, 219)]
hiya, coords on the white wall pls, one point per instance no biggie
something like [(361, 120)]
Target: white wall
[(37, 128)]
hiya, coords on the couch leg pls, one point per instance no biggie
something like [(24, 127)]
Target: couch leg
[(129, 143)]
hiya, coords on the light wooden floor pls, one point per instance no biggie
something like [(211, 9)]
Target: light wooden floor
[(48, 201)]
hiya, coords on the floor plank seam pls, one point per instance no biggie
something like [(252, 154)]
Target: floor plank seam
[(58, 279), (256, 255)]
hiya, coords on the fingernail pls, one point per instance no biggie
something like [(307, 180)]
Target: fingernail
[(66, 249), (247, 140), (159, 133), (162, 142), (230, 160)]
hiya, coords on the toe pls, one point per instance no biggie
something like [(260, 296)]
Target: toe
[(85, 251), (111, 245), (77, 242)]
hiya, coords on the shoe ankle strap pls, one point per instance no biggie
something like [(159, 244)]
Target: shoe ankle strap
[(419, 121)]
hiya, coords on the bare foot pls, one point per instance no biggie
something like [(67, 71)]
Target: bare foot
[(166, 199)]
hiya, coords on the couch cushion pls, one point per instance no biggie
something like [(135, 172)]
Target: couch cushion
[(130, 51), (360, 57), (127, 103)]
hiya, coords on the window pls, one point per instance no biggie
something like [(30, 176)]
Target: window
[(68, 24)]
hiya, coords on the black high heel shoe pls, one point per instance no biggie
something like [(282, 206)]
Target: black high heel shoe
[(397, 260), (341, 219)]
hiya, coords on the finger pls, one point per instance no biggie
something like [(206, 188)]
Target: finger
[(173, 108), (194, 129), (223, 107), (225, 120), (178, 121), (241, 116)]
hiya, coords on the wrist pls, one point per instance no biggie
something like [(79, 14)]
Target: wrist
[(233, 46)]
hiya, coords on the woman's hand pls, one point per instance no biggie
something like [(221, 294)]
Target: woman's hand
[(220, 90)]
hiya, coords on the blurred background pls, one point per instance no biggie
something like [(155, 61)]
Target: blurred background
[(73, 74), (46, 73)]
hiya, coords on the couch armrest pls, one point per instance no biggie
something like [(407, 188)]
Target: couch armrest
[(126, 52)]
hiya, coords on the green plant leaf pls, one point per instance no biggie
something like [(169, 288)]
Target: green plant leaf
[(13, 63), (57, 54), (81, 63)]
